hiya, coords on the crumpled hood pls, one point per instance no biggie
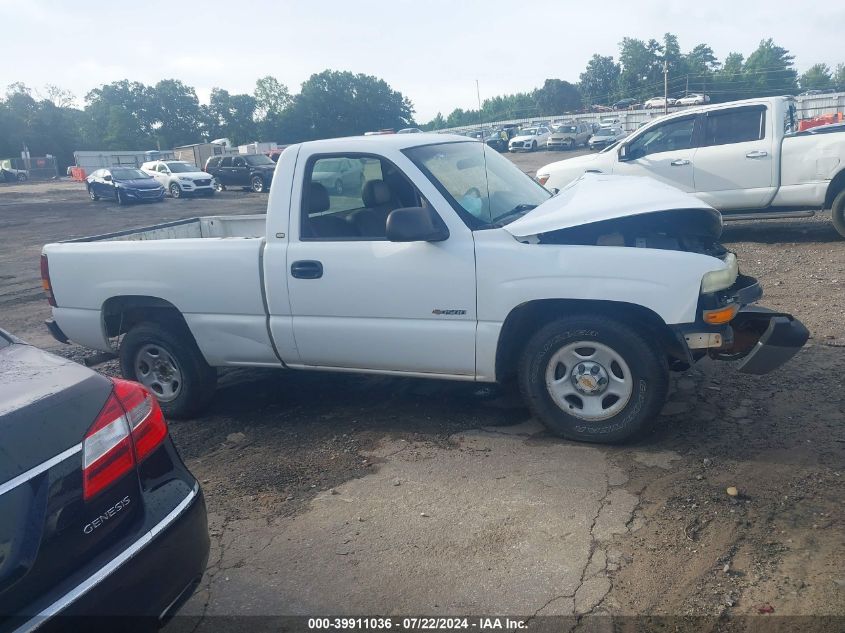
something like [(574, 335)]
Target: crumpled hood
[(599, 197)]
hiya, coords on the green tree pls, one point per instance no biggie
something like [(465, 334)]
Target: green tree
[(599, 81), (175, 113), (816, 77), (769, 71), (340, 103), (641, 76), (557, 96), (120, 115), (231, 116), (839, 77)]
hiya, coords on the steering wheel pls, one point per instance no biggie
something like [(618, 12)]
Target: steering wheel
[(473, 191)]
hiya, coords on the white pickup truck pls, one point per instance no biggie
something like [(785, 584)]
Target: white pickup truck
[(447, 262), (743, 158)]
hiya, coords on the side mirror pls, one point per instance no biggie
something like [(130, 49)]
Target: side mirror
[(623, 151), (415, 224), (107, 178)]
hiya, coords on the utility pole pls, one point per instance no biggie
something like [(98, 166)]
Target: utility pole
[(665, 87), (686, 92)]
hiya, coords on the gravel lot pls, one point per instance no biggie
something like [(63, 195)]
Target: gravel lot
[(364, 495)]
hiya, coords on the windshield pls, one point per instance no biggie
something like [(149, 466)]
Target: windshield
[(567, 128), (605, 132), (532, 131), (128, 174), (486, 189), (181, 168), (258, 159)]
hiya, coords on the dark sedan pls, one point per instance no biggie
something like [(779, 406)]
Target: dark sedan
[(99, 517), (125, 185)]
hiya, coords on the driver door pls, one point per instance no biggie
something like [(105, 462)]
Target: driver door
[(363, 302), (665, 152)]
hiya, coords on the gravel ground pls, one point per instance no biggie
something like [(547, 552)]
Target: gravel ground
[(274, 445)]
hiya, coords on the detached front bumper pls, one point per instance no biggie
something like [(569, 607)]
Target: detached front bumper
[(759, 339), (764, 339)]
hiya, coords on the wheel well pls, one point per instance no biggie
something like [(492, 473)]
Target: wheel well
[(834, 188), (527, 318), (120, 314)]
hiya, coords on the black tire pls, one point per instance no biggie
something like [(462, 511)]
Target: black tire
[(121, 200), (649, 378), (21, 177), (198, 379), (92, 195), (257, 184), (533, 146), (175, 190), (338, 187), (837, 213)]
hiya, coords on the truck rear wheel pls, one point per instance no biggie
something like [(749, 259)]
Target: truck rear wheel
[(837, 213), (168, 362), (593, 379)]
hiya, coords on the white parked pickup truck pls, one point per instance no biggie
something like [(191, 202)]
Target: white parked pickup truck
[(743, 157), (447, 262)]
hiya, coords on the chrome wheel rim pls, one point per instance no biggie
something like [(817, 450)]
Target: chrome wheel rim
[(257, 185), (175, 191), (156, 369), (589, 380), (91, 194)]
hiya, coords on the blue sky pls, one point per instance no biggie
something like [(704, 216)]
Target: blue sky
[(432, 51)]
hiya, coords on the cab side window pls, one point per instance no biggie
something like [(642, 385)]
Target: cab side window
[(671, 136), (735, 125), (238, 162), (350, 197), (226, 162), (162, 168)]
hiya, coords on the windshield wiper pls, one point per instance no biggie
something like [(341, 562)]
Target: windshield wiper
[(514, 213)]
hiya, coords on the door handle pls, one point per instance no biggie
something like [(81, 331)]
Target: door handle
[(757, 154), (306, 269), (679, 162)]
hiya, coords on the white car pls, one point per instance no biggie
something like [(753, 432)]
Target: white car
[(658, 102), (180, 178), (529, 139), (449, 263), (741, 157), (693, 99)]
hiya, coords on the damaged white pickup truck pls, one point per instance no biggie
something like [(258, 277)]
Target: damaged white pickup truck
[(439, 259)]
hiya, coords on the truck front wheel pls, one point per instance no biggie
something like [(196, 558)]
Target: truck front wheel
[(837, 213), (167, 361), (593, 379)]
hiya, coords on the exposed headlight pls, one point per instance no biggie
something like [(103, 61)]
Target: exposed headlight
[(184, 178), (717, 280)]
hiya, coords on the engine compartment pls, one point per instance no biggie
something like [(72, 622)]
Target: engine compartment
[(689, 230)]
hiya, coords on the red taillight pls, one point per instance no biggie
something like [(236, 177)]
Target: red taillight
[(45, 281), (129, 427)]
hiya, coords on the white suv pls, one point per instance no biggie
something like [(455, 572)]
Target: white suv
[(180, 178)]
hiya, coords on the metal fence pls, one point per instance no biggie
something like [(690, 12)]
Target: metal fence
[(808, 107), (35, 167)]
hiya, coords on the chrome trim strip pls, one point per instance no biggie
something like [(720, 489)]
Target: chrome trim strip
[(37, 470), (109, 568)]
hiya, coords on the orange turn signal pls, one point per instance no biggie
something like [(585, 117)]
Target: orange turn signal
[(720, 315)]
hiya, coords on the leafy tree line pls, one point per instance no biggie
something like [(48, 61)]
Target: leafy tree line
[(637, 74), (130, 115)]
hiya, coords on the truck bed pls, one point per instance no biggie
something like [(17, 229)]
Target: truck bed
[(207, 227)]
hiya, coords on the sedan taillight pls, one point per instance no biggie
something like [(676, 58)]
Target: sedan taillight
[(128, 428)]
